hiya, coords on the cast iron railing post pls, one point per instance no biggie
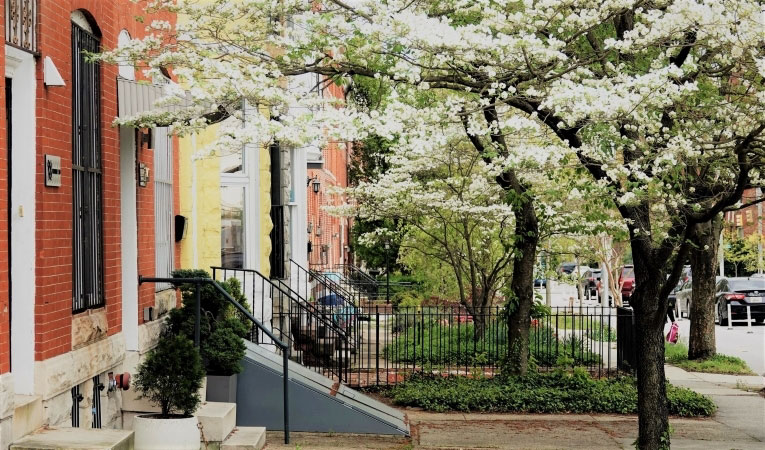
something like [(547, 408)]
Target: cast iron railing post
[(286, 390), (198, 317)]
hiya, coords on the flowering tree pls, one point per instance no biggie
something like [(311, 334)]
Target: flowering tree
[(453, 212), (660, 102)]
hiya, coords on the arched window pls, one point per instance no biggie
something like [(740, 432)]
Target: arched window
[(126, 69)]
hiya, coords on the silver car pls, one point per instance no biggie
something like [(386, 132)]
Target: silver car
[(685, 298)]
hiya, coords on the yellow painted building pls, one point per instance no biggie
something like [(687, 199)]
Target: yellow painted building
[(227, 202)]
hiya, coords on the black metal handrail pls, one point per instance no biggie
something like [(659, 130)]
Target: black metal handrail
[(330, 285), (283, 289), (350, 269), (198, 282), (315, 342)]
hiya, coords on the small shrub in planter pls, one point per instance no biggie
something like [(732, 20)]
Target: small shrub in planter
[(222, 330), (170, 377)]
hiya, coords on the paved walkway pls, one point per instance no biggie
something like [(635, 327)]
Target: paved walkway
[(738, 424), (736, 408)]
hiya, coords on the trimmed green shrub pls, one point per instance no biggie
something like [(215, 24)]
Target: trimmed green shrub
[(555, 392), (171, 376), (222, 328)]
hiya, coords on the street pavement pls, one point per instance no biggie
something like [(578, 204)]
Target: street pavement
[(741, 341)]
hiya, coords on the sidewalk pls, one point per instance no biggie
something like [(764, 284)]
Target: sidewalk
[(738, 424), (736, 408)]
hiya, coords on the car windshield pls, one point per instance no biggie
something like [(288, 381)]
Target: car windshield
[(628, 272), (747, 285)]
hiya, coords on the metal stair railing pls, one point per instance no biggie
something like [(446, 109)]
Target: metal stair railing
[(359, 280), (317, 285), (285, 349), (318, 342), (302, 278)]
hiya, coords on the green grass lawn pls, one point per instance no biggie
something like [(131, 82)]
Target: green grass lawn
[(677, 355)]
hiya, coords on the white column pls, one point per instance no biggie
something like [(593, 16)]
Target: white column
[(129, 236), (20, 67)]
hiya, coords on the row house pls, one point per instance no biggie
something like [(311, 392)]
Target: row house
[(86, 206), (328, 236), (746, 221)]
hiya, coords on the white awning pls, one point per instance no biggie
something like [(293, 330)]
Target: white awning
[(134, 97)]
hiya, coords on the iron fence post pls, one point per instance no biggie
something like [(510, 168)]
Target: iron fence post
[(285, 387), (197, 319)]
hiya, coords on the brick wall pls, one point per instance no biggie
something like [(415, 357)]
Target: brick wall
[(744, 220), (53, 308), (333, 174)]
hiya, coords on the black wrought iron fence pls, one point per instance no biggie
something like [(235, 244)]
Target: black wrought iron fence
[(320, 336), (449, 340)]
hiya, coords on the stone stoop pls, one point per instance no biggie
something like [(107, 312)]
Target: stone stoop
[(217, 420), (27, 415), (245, 438), (76, 438)]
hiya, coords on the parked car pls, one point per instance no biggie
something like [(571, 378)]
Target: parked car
[(739, 293), (566, 268), (590, 283), (599, 289), (683, 297), (672, 299), (627, 282)]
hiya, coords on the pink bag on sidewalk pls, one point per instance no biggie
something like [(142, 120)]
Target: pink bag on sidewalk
[(674, 332)]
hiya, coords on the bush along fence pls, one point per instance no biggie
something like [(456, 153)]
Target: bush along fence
[(447, 340)]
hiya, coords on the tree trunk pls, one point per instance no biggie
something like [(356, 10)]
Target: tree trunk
[(653, 421), (522, 286), (650, 310), (703, 255), (479, 324)]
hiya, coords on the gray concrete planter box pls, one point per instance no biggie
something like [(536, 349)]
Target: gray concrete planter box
[(221, 388)]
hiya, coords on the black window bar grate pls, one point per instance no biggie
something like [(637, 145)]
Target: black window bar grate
[(97, 388), (76, 399), (86, 174)]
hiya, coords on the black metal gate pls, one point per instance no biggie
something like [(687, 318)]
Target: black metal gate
[(86, 173)]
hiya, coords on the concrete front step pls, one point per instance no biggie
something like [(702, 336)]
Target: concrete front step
[(245, 438), (27, 415), (218, 419), (76, 438)]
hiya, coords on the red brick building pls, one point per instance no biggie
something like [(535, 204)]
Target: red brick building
[(744, 221), (85, 207), (328, 235)]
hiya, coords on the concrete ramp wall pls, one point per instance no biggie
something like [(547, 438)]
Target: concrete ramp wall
[(317, 404)]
